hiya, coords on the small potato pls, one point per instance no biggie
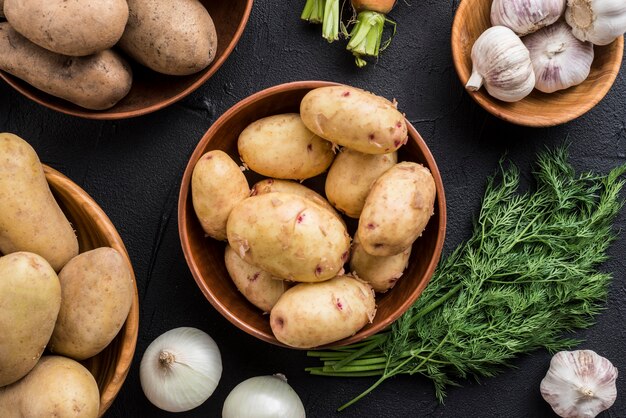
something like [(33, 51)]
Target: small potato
[(258, 286), (289, 236), (96, 292), (217, 185), (351, 177), (281, 146), (381, 273), (94, 82), (56, 387), (354, 118), (314, 314), (397, 209), (30, 297)]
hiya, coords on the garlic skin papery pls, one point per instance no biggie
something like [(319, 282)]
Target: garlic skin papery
[(579, 384), (526, 16), (597, 21), (502, 63), (559, 59)]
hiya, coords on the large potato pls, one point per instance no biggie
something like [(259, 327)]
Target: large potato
[(30, 297), (313, 314), (30, 218), (381, 273), (217, 185), (57, 387), (171, 37), (289, 236), (354, 118), (94, 82), (97, 292), (77, 27), (280, 146), (351, 177), (397, 209)]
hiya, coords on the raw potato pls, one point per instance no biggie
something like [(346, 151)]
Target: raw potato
[(57, 387), (170, 37), (30, 218), (354, 118), (351, 177), (94, 82), (30, 297), (382, 273), (280, 146), (314, 314), (397, 209), (217, 185), (76, 28), (289, 236), (1, 8), (97, 292), (258, 286)]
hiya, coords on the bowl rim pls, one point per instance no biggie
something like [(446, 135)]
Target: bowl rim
[(99, 115), (193, 266), (130, 329), (526, 120)]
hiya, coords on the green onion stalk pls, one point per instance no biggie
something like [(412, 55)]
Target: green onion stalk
[(325, 12), (366, 34)]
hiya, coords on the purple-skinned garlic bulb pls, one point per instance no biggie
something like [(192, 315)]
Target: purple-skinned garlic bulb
[(559, 59), (526, 16)]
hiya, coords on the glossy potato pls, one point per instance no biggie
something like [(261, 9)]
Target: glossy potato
[(217, 185), (30, 218), (381, 273), (351, 177), (30, 297), (397, 209), (355, 119), (289, 236), (314, 314), (280, 146)]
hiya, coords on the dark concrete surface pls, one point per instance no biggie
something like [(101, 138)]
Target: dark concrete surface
[(133, 168)]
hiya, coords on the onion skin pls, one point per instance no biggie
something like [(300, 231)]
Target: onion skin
[(380, 6)]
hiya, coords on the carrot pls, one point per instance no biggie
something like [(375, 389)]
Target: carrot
[(313, 11), (325, 12), (367, 33)]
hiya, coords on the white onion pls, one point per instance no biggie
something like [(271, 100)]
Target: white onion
[(263, 397), (180, 369)]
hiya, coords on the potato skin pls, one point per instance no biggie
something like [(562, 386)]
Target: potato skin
[(94, 82), (30, 297), (217, 185), (382, 273), (97, 292), (30, 218), (280, 146), (75, 28), (397, 209), (354, 118), (351, 177), (170, 37), (56, 387), (314, 314), (289, 236)]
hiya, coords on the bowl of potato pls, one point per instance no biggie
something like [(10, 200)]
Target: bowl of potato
[(312, 214), (73, 277), (116, 59)]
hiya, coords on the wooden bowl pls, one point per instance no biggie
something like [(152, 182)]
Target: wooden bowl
[(94, 229), (152, 91), (538, 109), (205, 256)]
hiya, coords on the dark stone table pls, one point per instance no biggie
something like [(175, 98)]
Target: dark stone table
[(133, 168)]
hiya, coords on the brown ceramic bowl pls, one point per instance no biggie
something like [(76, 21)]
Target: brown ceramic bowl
[(94, 229), (538, 109), (205, 256), (152, 91)]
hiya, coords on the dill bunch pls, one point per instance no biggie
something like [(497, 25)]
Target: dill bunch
[(527, 275)]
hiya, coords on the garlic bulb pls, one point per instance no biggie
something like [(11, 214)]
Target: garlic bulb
[(579, 384), (502, 62), (597, 21), (526, 16), (559, 59)]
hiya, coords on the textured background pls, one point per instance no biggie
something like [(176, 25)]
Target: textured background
[(132, 168)]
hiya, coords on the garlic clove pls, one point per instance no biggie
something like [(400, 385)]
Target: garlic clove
[(526, 16), (597, 21), (559, 59), (579, 384)]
